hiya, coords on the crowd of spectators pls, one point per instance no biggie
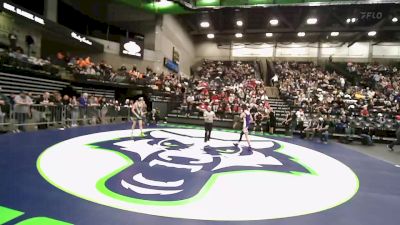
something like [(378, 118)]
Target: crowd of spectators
[(17, 59), (319, 91), (226, 86), (84, 68), (14, 55), (365, 90), (366, 97), (69, 111)]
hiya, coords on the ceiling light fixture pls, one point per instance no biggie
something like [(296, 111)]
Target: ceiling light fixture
[(239, 35), (204, 24), (394, 19), (239, 23), (334, 34), (312, 20), (372, 33), (351, 20), (269, 34), (301, 34), (164, 3), (210, 36), (274, 22)]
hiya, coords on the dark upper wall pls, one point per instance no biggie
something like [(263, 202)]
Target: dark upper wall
[(36, 6), (107, 20), (22, 28)]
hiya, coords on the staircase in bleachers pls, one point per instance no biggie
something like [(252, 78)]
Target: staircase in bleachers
[(272, 92), (280, 108)]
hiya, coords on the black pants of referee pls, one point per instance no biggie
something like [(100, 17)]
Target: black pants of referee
[(208, 128)]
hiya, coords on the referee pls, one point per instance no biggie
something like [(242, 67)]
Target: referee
[(209, 117)]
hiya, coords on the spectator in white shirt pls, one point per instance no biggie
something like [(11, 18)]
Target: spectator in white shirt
[(21, 109), (300, 120), (275, 80), (190, 103)]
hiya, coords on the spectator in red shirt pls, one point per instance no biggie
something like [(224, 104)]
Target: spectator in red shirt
[(215, 97), (364, 111), (204, 91)]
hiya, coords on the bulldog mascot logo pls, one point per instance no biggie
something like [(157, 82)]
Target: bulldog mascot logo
[(167, 166)]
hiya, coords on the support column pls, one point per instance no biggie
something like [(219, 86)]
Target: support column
[(370, 50), (319, 60), (51, 10), (230, 50)]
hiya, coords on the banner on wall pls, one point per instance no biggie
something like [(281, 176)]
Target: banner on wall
[(23, 13), (175, 55), (171, 65), (132, 47), (81, 38)]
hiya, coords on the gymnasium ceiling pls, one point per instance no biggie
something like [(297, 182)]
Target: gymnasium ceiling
[(188, 6), (292, 20), (222, 16), (292, 15)]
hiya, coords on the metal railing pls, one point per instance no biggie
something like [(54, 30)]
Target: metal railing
[(32, 117)]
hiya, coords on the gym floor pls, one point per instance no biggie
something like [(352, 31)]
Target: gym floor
[(48, 173), (378, 151)]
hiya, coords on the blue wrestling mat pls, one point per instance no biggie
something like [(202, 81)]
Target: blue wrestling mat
[(104, 175)]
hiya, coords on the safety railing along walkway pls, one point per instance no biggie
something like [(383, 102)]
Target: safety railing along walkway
[(34, 117)]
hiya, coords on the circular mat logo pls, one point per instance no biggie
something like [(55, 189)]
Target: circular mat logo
[(169, 172)]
